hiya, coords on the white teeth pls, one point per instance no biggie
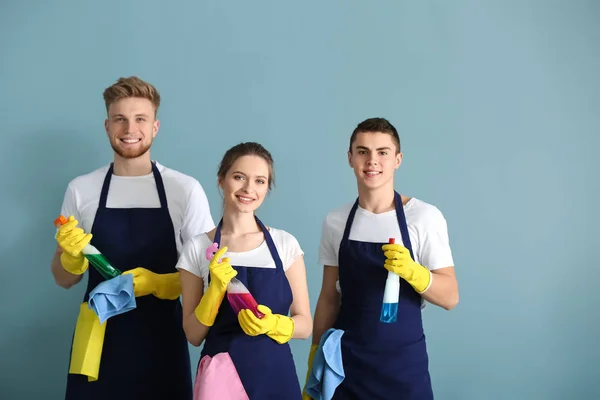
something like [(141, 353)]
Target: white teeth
[(130, 140), (372, 173), (244, 198)]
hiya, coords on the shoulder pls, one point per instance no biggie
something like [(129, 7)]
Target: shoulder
[(282, 237), (177, 178), (82, 182), (184, 189), (198, 243), (338, 216), (422, 213)]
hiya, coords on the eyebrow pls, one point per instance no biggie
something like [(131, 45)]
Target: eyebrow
[(241, 173), (366, 148), (137, 115)]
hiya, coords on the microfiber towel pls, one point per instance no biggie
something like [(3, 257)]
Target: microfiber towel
[(327, 369), (113, 297)]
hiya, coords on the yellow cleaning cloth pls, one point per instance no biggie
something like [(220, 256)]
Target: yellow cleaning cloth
[(87, 344)]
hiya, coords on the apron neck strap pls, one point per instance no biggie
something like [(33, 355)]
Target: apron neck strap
[(268, 239)]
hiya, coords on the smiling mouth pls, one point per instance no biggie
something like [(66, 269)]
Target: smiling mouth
[(245, 200), (130, 141), (372, 173)]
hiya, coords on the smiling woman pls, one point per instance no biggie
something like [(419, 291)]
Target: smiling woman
[(270, 263)]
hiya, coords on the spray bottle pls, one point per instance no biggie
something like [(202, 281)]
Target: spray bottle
[(391, 295), (93, 256), (238, 295)]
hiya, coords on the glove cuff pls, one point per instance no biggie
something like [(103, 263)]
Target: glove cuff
[(207, 310), (427, 279), (75, 265), (168, 286), (283, 330)]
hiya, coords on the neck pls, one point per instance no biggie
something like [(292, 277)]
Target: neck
[(132, 166), (238, 224), (376, 200)]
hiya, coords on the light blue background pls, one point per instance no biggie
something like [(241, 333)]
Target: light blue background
[(497, 104)]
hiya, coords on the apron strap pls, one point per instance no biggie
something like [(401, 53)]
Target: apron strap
[(160, 187), (402, 223), (399, 215), (349, 222), (268, 239), (105, 186)]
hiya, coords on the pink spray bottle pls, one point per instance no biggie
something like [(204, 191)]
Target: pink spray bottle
[(238, 295)]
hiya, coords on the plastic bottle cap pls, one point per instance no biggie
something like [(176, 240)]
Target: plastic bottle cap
[(60, 221)]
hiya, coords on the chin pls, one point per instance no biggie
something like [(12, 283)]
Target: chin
[(372, 184), (237, 207), (130, 152)]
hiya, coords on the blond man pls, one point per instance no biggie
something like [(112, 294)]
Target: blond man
[(138, 213)]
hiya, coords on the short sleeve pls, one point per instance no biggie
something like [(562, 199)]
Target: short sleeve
[(197, 218), (435, 252), (292, 250), (327, 253), (69, 205), (190, 261)]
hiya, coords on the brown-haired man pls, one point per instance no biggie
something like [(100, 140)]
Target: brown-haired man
[(380, 360), (137, 213)]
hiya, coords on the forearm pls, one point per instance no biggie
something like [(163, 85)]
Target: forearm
[(195, 331), (302, 326), (62, 277), (168, 286), (325, 316), (443, 290)]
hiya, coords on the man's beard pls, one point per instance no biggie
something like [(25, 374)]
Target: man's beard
[(131, 153)]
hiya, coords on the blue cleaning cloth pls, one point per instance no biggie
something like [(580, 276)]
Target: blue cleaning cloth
[(113, 297), (327, 370)]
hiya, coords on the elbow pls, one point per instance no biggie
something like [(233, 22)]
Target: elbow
[(65, 283), (452, 302), (194, 340), (192, 335)]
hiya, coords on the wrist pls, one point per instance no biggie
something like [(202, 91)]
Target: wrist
[(75, 265), (167, 283), (283, 330)]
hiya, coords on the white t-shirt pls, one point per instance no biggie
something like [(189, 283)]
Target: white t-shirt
[(427, 230), (186, 199), (193, 255)]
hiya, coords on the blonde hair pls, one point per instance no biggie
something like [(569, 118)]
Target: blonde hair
[(131, 87)]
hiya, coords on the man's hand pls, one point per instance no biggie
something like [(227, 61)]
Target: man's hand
[(399, 261)]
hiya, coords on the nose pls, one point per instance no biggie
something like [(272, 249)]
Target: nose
[(247, 186), (131, 127), (372, 160)]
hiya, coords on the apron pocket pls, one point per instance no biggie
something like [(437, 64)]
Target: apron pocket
[(87, 345), (217, 378)]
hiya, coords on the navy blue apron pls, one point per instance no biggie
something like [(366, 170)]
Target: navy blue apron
[(381, 361), (265, 367), (145, 353)]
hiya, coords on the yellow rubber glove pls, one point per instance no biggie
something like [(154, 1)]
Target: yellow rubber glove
[(278, 327), (72, 240), (162, 286), (399, 261), (311, 357), (221, 273)]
